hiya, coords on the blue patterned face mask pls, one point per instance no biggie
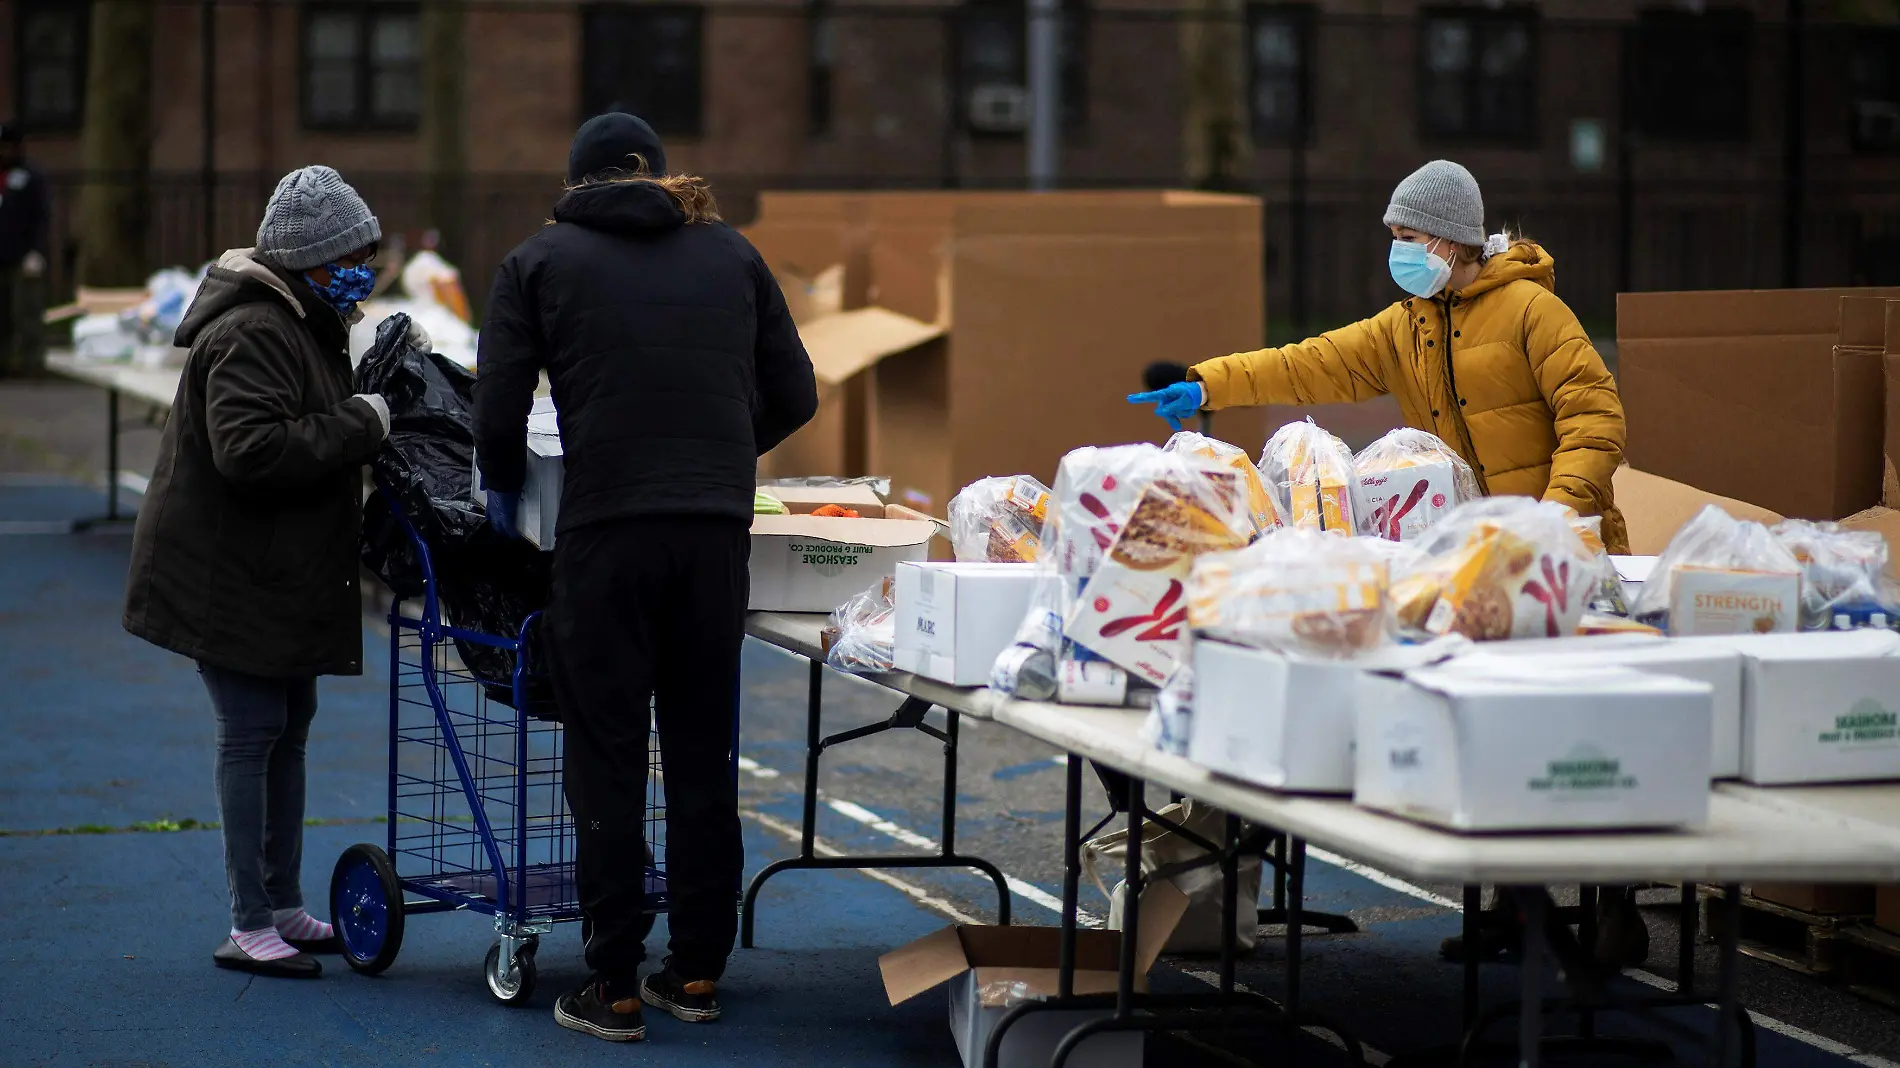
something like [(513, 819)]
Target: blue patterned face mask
[(348, 286)]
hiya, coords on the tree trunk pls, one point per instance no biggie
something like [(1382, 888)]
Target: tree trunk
[(444, 122), (115, 146), (1216, 140)]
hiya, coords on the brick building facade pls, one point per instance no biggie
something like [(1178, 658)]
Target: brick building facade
[(1536, 96)]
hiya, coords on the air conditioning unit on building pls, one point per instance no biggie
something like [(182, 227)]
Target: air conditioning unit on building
[(999, 108), (1877, 125)]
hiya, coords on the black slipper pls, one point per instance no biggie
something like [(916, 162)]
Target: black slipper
[(300, 966)]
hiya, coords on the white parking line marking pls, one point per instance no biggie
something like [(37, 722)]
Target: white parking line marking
[(826, 849)]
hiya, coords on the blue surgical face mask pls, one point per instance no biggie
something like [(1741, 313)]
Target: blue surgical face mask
[(1417, 269), (348, 286)]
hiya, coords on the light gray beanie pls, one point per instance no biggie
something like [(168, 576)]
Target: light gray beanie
[(312, 218), (1440, 199)]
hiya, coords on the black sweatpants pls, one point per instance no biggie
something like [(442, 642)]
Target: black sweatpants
[(652, 608)]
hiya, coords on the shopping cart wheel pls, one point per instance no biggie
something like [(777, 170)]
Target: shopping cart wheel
[(515, 989), (366, 908)]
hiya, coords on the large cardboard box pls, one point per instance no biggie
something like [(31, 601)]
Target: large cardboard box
[(1008, 325), (1767, 396), (1819, 707), (1720, 668), (1887, 907), (989, 969), (807, 563), (1890, 356), (1828, 899), (1282, 723), (1534, 744), (953, 619), (1656, 507)]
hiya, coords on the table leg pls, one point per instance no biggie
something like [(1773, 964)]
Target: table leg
[(1131, 901), (1071, 873), (1295, 924), (1230, 905), (1685, 941), (1530, 1012), (1587, 896), (1473, 930), (1727, 1007)]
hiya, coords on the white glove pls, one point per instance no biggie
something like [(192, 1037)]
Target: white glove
[(419, 337), (33, 265), (379, 406)]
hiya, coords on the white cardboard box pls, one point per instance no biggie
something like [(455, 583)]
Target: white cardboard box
[(807, 563), (953, 619), (1818, 707), (1534, 744), (1721, 668), (1279, 722), (987, 969)]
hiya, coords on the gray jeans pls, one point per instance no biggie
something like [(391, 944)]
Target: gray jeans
[(262, 726)]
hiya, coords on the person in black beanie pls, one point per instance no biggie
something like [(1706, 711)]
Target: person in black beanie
[(26, 211), (674, 365)]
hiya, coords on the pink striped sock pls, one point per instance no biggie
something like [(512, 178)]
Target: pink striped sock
[(262, 944), (300, 925)]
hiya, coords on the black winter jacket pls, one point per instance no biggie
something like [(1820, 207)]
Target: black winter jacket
[(673, 360), (26, 210), (245, 552)]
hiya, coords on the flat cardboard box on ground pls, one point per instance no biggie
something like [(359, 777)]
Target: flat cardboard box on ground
[(1533, 744), (1008, 325), (807, 563), (954, 618), (1767, 396), (1818, 707), (1720, 668), (1275, 721), (1827, 899), (989, 969)]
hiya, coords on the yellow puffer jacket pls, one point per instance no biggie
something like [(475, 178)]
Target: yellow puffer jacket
[(1523, 397)]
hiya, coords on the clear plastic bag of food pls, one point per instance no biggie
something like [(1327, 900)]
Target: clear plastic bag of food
[(999, 519), (1295, 591), (1261, 510), (1124, 524), (1839, 568), (1406, 481), (1309, 472), (1499, 568), (1722, 575), (862, 630)]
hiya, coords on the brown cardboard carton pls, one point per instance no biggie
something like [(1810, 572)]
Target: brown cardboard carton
[(806, 563), (1887, 907), (990, 968), (1890, 482), (1828, 899), (1766, 396), (1011, 325), (1655, 508)]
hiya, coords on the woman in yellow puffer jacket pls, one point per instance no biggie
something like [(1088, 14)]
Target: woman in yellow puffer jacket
[(1482, 354)]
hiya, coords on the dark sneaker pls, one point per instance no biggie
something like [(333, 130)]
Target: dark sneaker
[(584, 1010), (694, 1001), (1622, 936)]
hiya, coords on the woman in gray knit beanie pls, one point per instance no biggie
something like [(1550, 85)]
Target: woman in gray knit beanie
[(1479, 351), (244, 557)]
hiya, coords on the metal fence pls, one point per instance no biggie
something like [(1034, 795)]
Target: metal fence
[(1652, 148)]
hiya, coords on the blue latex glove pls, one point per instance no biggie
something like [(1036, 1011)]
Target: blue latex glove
[(1174, 403), (502, 509)]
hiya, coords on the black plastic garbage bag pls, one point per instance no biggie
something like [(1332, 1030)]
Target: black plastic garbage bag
[(485, 582)]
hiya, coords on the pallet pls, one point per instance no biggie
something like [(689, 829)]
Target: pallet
[(1805, 942), (1870, 963)]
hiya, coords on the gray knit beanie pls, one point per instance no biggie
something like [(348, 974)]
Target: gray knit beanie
[(312, 218), (1440, 199)]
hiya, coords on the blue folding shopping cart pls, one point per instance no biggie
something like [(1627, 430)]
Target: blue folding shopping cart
[(477, 819)]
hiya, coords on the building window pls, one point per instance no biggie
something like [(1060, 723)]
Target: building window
[(1873, 80), (821, 31), (1279, 38), (362, 66), (645, 60), (993, 66), (1478, 74), (1691, 77), (50, 57)]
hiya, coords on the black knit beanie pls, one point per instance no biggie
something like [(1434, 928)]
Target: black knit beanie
[(607, 142)]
